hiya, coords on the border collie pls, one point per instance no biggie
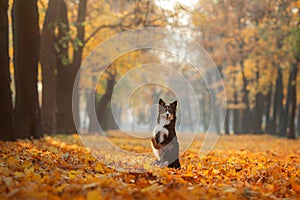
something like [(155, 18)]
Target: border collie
[(164, 141)]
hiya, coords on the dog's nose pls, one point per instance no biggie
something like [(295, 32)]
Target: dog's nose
[(167, 115)]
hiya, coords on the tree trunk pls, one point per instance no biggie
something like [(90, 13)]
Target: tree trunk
[(246, 117), (244, 128), (64, 87), (77, 57), (258, 113), (26, 55), (298, 120), (236, 121), (92, 122), (277, 108), (66, 78), (48, 58), (101, 105), (283, 124), (110, 123), (215, 117), (203, 104), (54, 60), (236, 116), (267, 106), (6, 106), (227, 121), (293, 102), (258, 108)]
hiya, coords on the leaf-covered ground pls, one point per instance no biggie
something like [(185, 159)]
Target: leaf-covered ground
[(240, 167)]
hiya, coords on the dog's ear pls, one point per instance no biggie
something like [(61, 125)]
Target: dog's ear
[(174, 104), (161, 102)]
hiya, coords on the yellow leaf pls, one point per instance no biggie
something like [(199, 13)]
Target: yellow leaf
[(73, 174), (100, 168), (61, 188), (94, 195), (18, 174), (29, 170), (189, 172)]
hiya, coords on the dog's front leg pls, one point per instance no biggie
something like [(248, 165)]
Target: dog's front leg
[(154, 143)]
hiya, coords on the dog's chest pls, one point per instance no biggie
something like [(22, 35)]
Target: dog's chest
[(159, 153)]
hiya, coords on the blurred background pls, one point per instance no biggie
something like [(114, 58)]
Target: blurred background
[(255, 45)]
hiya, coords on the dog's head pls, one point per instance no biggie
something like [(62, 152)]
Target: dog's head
[(166, 113)]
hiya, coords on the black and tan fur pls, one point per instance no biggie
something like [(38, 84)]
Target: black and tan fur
[(164, 141)]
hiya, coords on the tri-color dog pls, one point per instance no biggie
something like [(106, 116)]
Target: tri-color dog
[(164, 141)]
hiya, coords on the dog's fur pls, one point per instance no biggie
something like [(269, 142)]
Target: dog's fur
[(164, 141)]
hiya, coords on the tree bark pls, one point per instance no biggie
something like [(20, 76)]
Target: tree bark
[(64, 87), (236, 121), (258, 113), (215, 117), (101, 105), (236, 116), (293, 102), (77, 57), (66, 79), (89, 109), (6, 106), (26, 55), (298, 119), (203, 104), (247, 125), (277, 108), (267, 106), (258, 108), (244, 114), (49, 61), (227, 122), (58, 71), (55, 61), (284, 120)]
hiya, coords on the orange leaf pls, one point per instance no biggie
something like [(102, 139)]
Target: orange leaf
[(296, 186)]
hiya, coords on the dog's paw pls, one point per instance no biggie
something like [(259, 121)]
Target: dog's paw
[(165, 164), (153, 141), (160, 163), (156, 162), (155, 144)]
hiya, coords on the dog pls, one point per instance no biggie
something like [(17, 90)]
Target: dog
[(164, 141)]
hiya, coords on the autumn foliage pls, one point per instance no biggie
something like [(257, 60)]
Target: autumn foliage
[(240, 167)]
